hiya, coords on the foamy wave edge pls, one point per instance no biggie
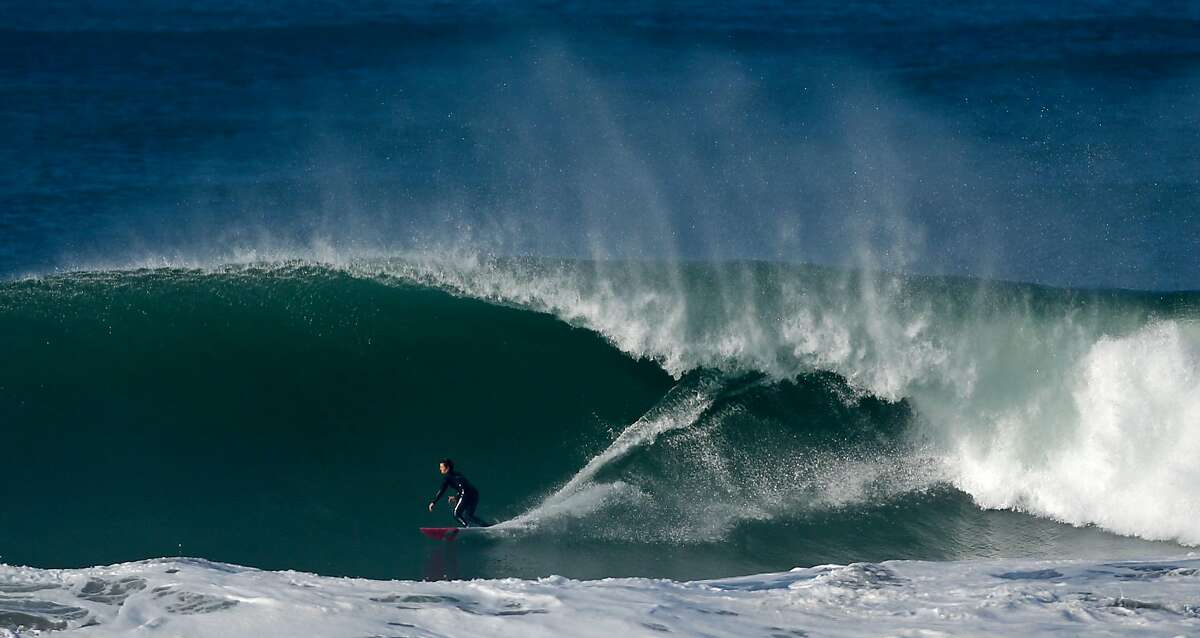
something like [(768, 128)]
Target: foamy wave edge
[(192, 597)]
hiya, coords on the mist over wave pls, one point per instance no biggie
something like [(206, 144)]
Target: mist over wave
[(664, 138)]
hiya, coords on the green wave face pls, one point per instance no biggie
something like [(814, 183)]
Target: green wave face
[(285, 419), (292, 417)]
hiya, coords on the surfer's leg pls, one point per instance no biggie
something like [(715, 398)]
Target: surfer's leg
[(459, 508), (469, 514)]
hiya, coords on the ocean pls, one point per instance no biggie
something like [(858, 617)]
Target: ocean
[(903, 299)]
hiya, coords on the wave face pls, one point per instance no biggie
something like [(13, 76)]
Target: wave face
[(617, 415), (263, 414)]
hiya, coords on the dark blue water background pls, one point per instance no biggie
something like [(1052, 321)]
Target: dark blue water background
[(1050, 142)]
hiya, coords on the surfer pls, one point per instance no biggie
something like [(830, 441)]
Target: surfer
[(465, 501)]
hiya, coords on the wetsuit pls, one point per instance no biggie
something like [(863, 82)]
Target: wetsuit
[(468, 499)]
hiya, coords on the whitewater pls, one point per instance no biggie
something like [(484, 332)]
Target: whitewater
[(195, 597)]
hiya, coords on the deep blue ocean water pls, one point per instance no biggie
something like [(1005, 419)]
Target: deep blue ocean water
[(1046, 142)]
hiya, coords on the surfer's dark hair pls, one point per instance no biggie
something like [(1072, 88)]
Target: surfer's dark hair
[(448, 463)]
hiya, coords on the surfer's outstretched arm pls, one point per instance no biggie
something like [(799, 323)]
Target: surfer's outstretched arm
[(441, 490)]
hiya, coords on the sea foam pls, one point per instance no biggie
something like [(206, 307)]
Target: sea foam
[(183, 597)]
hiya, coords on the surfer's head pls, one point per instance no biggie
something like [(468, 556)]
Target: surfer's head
[(445, 466)]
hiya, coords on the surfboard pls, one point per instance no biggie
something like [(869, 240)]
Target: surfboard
[(441, 533)]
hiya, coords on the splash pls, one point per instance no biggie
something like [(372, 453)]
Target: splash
[(1072, 405)]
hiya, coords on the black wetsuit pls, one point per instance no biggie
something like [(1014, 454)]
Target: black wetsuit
[(468, 499)]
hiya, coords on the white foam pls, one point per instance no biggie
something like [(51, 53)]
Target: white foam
[(186, 598), (580, 495), (1127, 458)]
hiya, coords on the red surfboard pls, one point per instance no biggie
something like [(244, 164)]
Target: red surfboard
[(441, 533)]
